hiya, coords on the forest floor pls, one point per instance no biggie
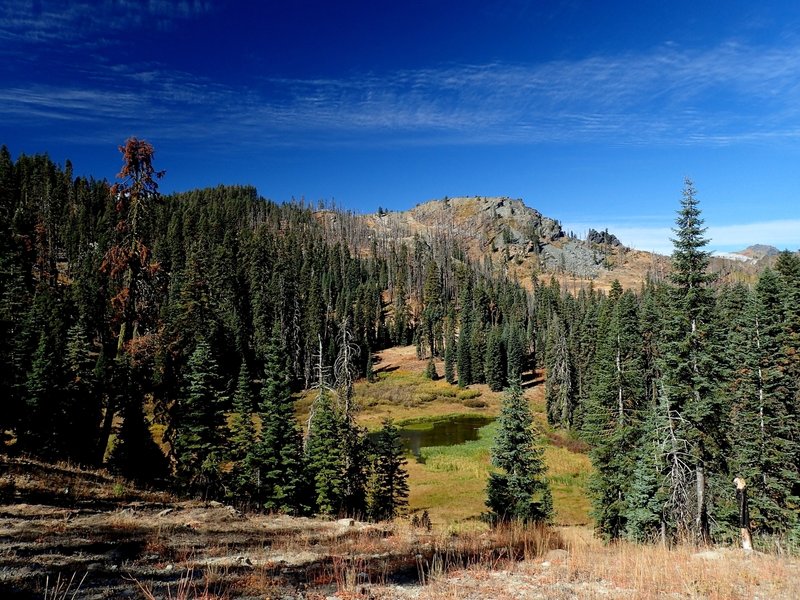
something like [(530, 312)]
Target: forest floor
[(71, 533), (67, 533)]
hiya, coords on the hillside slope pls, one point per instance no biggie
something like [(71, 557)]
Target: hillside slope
[(505, 235)]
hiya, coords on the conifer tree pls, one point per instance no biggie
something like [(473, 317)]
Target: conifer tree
[(648, 498), (336, 447), (559, 385), (464, 356), (129, 266), (38, 433), (516, 353), (326, 459), (495, 365), (82, 410), (430, 370), (353, 437), (477, 352), (135, 453), (788, 267), (691, 368), (370, 374), (242, 438), (388, 486), (433, 313), (356, 465), (278, 457), (764, 413), (519, 490), (612, 416), (450, 350), (198, 444), (13, 301)]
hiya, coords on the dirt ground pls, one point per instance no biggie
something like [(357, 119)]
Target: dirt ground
[(72, 534), (68, 533), (56, 541)]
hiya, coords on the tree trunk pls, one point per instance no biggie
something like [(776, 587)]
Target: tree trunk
[(744, 514), (701, 521)]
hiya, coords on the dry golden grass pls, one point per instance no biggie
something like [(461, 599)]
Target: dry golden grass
[(195, 550), (401, 392), (685, 572), (589, 569)]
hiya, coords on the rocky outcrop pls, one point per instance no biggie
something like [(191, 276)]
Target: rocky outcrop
[(574, 257), (603, 238), (505, 231), (504, 220)]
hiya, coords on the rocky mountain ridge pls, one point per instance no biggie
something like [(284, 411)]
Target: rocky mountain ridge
[(506, 234)]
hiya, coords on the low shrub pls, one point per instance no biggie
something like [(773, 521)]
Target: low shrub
[(474, 403), (468, 394)]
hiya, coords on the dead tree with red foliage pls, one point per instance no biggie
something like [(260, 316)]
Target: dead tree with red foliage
[(128, 261), (132, 277)]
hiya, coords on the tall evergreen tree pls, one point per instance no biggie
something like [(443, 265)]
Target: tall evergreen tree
[(516, 353), (763, 414), (450, 350), (433, 313), (519, 490), (82, 405), (388, 485), (40, 432), (128, 263), (477, 352), (464, 356), (134, 453), (560, 382), (648, 498), (326, 457), (278, 457), (198, 444), (242, 438), (353, 437), (495, 364), (691, 368), (788, 267), (612, 418)]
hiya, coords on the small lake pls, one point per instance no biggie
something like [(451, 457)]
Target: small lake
[(444, 431)]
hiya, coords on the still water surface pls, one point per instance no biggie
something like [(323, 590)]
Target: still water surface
[(448, 431)]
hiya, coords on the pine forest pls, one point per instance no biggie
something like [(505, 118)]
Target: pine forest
[(167, 338)]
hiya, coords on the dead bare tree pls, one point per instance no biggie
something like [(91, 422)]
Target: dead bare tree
[(322, 375), (345, 369)]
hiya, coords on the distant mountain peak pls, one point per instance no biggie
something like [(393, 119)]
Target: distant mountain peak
[(757, 251)]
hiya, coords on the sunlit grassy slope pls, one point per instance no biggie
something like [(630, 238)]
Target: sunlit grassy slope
[(450, 483)]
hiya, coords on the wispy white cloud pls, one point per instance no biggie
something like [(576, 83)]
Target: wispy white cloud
[(667, 96)]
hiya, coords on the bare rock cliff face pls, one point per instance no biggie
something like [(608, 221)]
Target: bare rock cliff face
[(504, 218)]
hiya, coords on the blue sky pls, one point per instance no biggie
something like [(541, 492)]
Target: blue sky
[(592, 112)]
